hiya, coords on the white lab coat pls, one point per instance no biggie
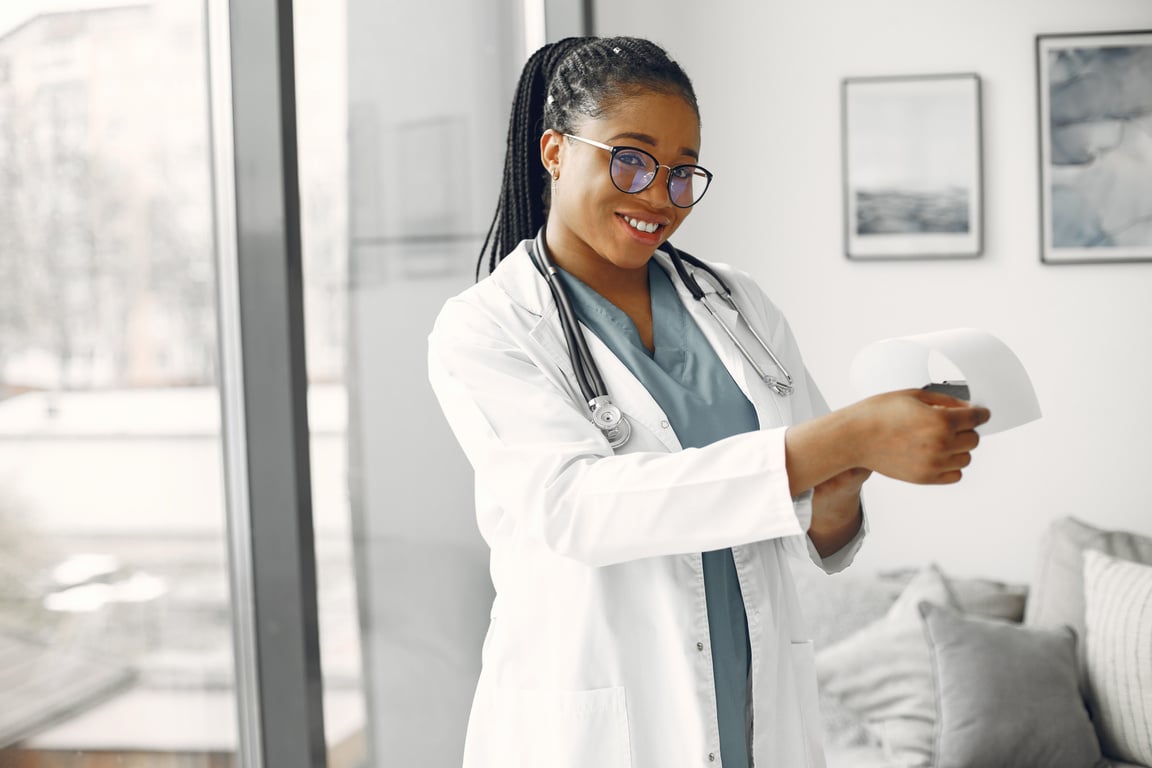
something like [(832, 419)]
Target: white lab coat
[(597, 654)]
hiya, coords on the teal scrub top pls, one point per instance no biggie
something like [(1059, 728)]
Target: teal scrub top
[(703, 404)]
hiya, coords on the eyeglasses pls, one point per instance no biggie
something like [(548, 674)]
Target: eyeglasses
[(633, 170)]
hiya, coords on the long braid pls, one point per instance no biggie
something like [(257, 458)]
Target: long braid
[(520, 210), (562, 84)]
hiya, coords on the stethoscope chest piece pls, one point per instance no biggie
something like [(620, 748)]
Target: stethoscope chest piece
[(608, 418)]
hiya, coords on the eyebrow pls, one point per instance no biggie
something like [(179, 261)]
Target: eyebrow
[(652, 142)]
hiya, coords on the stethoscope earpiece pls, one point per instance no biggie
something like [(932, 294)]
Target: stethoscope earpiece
[(607, 417)]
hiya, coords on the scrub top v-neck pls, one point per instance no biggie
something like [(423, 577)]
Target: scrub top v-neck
[(703, 404)]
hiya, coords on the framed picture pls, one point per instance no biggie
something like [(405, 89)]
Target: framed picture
[(1095, 124), (912, 158)]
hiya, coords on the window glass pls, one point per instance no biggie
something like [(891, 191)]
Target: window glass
[(402, 117), (115, 619)]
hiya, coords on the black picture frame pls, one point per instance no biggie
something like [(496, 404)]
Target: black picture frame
[(912, 154), (1094, 130)]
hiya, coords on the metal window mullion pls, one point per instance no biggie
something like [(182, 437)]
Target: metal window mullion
[(552, 20), (588, 18), (264, 386)]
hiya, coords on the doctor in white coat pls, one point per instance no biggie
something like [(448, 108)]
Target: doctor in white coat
[(602, 650)]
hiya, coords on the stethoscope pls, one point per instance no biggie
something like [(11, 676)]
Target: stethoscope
[(605, 414)]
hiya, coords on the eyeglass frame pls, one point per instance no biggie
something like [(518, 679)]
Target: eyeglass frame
[(659, 165)]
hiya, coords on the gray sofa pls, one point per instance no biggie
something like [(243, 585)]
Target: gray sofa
[(918, 669)]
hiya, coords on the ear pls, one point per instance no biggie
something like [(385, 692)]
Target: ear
[(551, 143)]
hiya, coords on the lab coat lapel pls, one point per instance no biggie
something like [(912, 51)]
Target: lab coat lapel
[(527, 288), (626, 391), (629, 394), (769, 409)]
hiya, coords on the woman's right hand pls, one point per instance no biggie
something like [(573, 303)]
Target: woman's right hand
[(917, 436)]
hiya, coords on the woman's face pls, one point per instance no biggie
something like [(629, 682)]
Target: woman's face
[(592, 223)]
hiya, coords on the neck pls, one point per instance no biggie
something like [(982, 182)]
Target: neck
[(627, 288), (618, 284)]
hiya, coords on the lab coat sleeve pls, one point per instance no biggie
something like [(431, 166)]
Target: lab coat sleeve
[(843, 557), (557, 481)]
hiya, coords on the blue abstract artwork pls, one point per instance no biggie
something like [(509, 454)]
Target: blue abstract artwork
[(1096, 146)]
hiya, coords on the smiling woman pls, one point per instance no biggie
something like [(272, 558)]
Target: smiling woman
[(647, 445)]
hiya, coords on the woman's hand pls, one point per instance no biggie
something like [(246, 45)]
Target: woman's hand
[(918, 436), (836, 515), (845, 485), (912, 435)]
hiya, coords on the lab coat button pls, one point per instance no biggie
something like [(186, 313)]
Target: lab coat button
[(663, 423), (711, 757), (699, 646)]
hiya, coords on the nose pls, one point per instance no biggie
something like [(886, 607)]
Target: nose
[(658, 193)]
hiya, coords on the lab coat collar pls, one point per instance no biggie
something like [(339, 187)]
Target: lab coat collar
[(519, 279), (527, 288)]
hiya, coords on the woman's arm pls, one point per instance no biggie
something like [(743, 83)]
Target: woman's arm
[(557, 481), (911, 435), (558, 484)]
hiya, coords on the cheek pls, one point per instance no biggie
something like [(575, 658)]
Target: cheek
[(680, 219)]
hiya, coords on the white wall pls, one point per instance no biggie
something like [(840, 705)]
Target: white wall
[(768, 77)]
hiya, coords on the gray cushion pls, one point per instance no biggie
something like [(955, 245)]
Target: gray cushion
[(882, 674), (1057, 594), (991, 599), (1007, 695)]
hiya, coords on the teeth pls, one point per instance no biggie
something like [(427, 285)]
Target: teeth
[(643, 226)]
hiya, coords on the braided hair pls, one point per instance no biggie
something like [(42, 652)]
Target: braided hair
[(562, 84)]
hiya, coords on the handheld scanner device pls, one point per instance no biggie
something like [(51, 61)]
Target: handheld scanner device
[(956, 389)]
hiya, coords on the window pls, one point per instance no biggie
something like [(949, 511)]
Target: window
[(115, 621)]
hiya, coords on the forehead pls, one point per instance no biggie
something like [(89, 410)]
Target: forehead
[(665, 117)]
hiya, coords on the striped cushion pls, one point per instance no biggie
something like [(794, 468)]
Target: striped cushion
[(1118, 640)]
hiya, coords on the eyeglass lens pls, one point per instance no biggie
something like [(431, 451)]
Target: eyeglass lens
[(634, 170)]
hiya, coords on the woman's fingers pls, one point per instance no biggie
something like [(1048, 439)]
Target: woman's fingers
[(938, 398), (947, 478), (967, 417), (924, 437), (962, 415), (966, 441)]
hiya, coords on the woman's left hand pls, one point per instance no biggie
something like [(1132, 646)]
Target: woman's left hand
[(836, 515), (845, 485)]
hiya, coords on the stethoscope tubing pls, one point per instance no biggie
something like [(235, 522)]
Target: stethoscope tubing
[(587, 374), (586, 370)]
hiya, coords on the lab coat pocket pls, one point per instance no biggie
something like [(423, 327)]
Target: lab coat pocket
[(574, 729), (812, 732)]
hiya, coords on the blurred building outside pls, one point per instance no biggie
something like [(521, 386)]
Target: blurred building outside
[(115, 622)]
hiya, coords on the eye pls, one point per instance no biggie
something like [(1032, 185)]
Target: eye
[(684, 172), (632, 159)]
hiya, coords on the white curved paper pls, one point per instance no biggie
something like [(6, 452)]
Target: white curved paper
[(996, 379)]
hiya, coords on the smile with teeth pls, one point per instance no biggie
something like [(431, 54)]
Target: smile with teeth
[(643, 226)]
